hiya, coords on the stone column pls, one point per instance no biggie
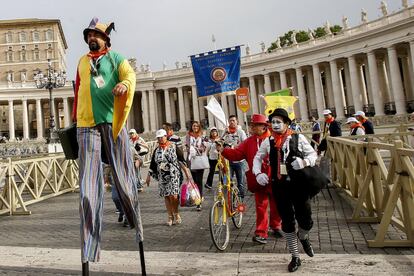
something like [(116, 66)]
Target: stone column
[(302, 95), (201, 104), (356, 92), (311, 91), (66, 112), (329, 91), (253, 94), (260, 91), (320, 103), (296, 106), (376, 91), (25, 119), (187, 105), (339, 107), (39, 119), (276, 83), (232, 104), (194, 98), (152, 108), (384, 82), (224, 104), (144, 108), (12, 136), (407, 72), (341, 88), (174, 107), (396, 82), (267, 85), (349, 98), (362, 86), (181, 108), (167, 105), (283, 81)]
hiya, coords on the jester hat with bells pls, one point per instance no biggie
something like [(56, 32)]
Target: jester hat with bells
[(102, 28)]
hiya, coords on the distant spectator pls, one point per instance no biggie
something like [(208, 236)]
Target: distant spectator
[(367, 124), (330, 128), (212, 155), (355, 127), (295, 126), (316, 127)]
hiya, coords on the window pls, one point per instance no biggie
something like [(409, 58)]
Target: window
[(36, 55), (49, 35), (23, 47), (10, 48), (10, 76), (49, 45), (9, 56), (22, 37), (36, 36), (23, 55), (9, 37), (49, 54), (36, 47)]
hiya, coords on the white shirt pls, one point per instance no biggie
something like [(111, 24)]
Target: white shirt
[(309, 154)]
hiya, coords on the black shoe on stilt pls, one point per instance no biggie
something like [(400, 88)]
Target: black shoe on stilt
[(294, 264), (85, 269)]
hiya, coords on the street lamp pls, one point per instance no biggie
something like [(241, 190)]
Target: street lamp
[(49, 81)]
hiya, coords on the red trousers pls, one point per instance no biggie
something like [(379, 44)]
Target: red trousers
[(263, 199)]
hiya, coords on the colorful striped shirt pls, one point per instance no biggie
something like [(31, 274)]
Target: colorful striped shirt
[(95, 105)]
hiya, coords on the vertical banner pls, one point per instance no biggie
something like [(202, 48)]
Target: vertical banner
[(217, 72), (243, 99)]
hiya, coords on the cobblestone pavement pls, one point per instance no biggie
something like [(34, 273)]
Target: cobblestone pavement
[(54, 223)]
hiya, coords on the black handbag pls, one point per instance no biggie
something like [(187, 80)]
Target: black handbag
[(311, 180), (69, 141)]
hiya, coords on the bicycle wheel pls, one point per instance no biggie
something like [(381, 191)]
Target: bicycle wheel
[(237, 218), (219, 226)]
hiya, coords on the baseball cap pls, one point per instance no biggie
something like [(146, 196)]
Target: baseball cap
[(327, 112), (360, 113), (160, 133), (132, 131), (351, 120)]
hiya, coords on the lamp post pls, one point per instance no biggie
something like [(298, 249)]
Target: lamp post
[(49, 81)]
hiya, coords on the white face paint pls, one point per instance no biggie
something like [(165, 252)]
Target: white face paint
[(277, 125)]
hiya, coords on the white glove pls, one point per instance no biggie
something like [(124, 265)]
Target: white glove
[(298, 163), (262, 179)]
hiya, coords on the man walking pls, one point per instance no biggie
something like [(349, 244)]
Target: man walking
[(233, 136), (105, 84)]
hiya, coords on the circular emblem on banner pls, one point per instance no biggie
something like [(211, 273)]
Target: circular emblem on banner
[(218, 74)]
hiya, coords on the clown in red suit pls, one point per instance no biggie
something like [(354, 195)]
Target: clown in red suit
[(263, 194)]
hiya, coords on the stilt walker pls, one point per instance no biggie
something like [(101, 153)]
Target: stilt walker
[(104, 91)]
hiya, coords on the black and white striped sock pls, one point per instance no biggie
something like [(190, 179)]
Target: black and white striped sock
[(303, 234), (292, 242)]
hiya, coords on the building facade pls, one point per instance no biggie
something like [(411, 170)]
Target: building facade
[(367, 67), (25, 47)]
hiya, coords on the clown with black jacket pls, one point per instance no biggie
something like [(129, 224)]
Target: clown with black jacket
[(293, 203)]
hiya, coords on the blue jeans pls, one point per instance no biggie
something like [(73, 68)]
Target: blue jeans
[(238, 169), (115, 196)]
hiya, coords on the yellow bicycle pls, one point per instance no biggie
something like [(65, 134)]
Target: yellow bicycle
[(227, 204)]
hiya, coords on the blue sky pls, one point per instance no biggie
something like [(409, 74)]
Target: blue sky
[(170, 30)]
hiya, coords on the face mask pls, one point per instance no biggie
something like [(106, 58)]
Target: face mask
[(277, 126)]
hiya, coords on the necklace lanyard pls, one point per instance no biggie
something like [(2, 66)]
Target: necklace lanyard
[(95, 65)]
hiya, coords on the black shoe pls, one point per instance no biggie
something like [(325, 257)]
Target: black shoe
[(294, 264), (207, 187), (259, 239), (277, 233), (307, 247), (120, 217), (126, 223), (198, 208)]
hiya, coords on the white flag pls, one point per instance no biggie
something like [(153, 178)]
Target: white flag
[(215, 108)]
